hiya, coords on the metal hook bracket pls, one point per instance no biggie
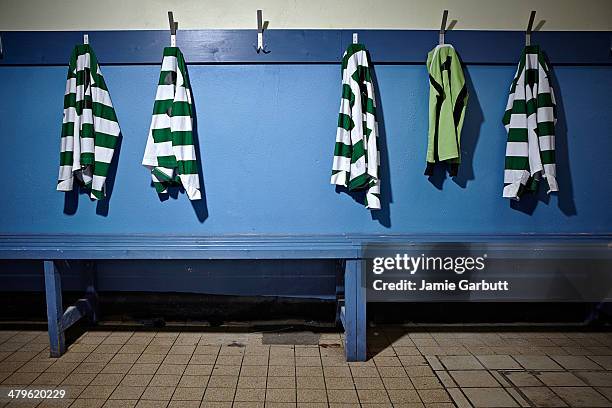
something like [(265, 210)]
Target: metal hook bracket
[(1, 48), (443, 27), (261, 26), (529, 28), (355, 38), (86, 39), (173, 27)]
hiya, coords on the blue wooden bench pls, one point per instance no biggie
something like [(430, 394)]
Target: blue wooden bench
[(52, 249)]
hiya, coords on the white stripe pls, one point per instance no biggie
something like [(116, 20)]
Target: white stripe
[(339, 178), (343, 136), (87, 145), (181, 123), (106, 126), (184, 152), (546, 143), (169, 63), (103, 154), (520, 149), (341, 163), (545, 114), (513, 176), (97, 183), (164, 92), (161, 121), (518, 121)]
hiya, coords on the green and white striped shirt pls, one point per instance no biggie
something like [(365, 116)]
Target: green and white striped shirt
[(89, 129), (530, 119), (170, 153), (356, 156)]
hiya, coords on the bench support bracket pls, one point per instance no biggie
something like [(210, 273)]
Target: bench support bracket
[(353, 313), (59, 320)]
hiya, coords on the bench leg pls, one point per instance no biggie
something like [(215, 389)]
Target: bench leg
[(90, 290), (354, 316), (55, 311)]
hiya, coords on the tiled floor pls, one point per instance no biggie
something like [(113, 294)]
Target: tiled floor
[(409, 368)]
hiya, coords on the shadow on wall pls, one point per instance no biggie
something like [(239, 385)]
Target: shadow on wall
[(470, 133), (383, 216), (71, 198), (565, 195)]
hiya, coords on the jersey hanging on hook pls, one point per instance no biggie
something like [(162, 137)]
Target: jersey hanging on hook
[(356, 156), (170, 153), (90, 129), (448, 98)]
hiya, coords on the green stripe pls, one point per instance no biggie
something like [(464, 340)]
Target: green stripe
[(103, 111), (359, 182), (87, 158), (350, 51), (342, 150), (358, 151), (68, 129), (161, 106), (162, 135), (101, 168), (546, 128), (517, 163), (87, 130), (167, 161), (369, 106), (347, 93), (518, 135), (547, 156), (105, 140), (66, 158), (345, 122), (182, 138), (70, 100), (187, 167)]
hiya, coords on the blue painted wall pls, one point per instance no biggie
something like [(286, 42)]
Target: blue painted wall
[(266, 135)]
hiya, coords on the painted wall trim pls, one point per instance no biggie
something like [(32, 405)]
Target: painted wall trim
[(294, 46), (349, 246)]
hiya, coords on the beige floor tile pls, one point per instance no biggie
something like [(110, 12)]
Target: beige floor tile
[(309, 371), (254, 371), (461, 362), (88, 403), (199, 381), (474, 378), (339, 383), (375, 396), (223, 381), (165, 380), (226, 370), (522, 379), (136, 379), (498, 362), (119, 404), (606, 391), (281, 382), (97, 391), (198, 369), (311, 395), (542, 397), (203, 359), (151, 404), (158, 393), (317, 382), (123, 392), (489, 397), (426, 383), (560, 379), (177, 358), (364, 372), (604, 361), (280, 395), (532, 362), (596, 378), (188, 394), (576, 363), (116, 369), (398, 397), (342, 371), (582, 397), (367, 383), (434, 396), (419, 371), (248, 404), (250, 394), (219, 394), (183, 404), (281, 371), (342, 396), (148, 368), (151, 358)]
